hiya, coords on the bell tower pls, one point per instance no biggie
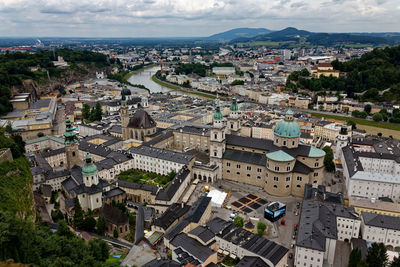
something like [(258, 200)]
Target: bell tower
[(217, 140), (234, 118), (71, 145), (124, 113), (341, 141)]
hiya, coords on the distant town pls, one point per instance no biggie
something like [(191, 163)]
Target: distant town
[(204, 154)]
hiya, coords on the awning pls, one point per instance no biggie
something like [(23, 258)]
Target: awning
[(220, 251), (233, 256), (226, 253)]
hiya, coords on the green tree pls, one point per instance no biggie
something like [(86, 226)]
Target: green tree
[(115, 234), (376, 255), (78, 214), (238, 221), (355, 257), (367, 108), (395, 262), (101, 225), (63, 229), (98, 249), (86, 111), (328, 161), (352, 123), (89, 224), (377, 117), (8, 128), (261, 228), (98, 112), (237, 82)]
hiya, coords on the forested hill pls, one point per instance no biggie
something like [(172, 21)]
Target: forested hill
[(376, 76), (17, 67)]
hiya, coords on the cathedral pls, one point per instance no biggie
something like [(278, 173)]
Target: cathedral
[(282, 166)]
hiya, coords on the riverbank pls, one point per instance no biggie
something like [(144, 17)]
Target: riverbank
[(126, 77), (181, 89), (392, 128)]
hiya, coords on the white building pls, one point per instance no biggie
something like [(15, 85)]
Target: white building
[(320, 226), (158, 160), (381, 229), (371, 169)]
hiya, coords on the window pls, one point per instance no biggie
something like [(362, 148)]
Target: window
[(287, 179), (258, 177), (215, 153), (248, 175), (276, 178), (275, 186), (288, 168), (299, 186), (228, 171), (228, 164), (97, 200), (315, 174), (276, 168), (238, 166), (284, 143), (73, 153), (293, 143), (215, 136), (315, 181), (299, 178), (316, 164), (238, 173), (259, 170), (287, 186), (249, 168)]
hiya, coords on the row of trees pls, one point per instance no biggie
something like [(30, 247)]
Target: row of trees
[(261, 227), (376, 257)]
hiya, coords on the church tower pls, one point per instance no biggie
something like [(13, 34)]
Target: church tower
[(217, 140), (124, 113), (89, 172), (234, 118), (71, 145), (341, 141)]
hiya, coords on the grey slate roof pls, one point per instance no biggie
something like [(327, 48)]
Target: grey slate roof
[(166, 194), (162, 263), (244, 156), (318, 222), (114, 215), (192, 246), (94, 149), (53, 152), (163, 154), (249, 261), (176, 229), (115, 129), (173, 213), (301, 168), (142, 120), (197, 209), (145, 187), (381, 221), (202, 233), (158, 139), (113, 192)]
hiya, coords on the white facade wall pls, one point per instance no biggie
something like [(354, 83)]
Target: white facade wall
[(347, 228), (58, 160), (372, 189), (42, 146), (156, 165), (389, 237), (308, 257)]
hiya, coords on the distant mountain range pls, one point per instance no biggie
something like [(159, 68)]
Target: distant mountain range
[(238, 33), (291, 36)]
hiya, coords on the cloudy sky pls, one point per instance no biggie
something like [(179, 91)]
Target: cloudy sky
[(162, 18)]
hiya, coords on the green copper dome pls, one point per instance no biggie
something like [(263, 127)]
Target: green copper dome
[(287, 127), (218, 115), (234, 106), (279, 155), (89, 167)]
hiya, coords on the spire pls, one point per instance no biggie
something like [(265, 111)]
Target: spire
[(289, 115), (217, 114), (70, 135), (234, 105), (89, 167)]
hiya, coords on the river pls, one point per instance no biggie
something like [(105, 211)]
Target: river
[(144, 77)]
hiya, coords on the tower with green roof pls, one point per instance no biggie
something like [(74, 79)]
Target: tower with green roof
[(234, 117), (217, 140), (89, 172), (71, 145)]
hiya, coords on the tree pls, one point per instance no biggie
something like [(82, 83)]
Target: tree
[(355, 257), (367, 108), (237, 82), (86, 111), (101, 225), (328, 161), (238, 221), (261, 228), (376, 255), (8, 128), (395, 262), (78, 214), (63, 229), (89, 224), (115, 234), (98, 112), (379, 134), (353, 124), (377, 117)]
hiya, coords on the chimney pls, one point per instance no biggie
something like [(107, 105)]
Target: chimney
[(182, 205)]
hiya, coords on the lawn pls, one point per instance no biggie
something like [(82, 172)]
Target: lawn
[(384, 125), (150, 178), (178, 88)]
